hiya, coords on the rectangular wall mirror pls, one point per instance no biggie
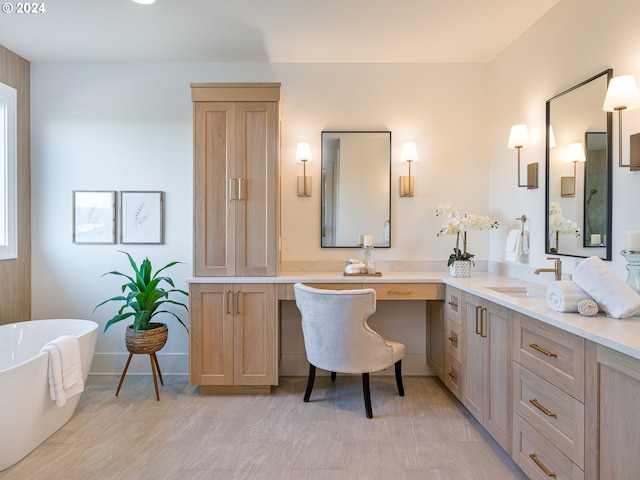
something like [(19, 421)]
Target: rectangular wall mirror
[(356, 188), (579, 186)]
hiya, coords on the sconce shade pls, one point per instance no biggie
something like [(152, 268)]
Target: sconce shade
[(575, 153), (622, 94), (519, 137), (409, 152), (303, 152)]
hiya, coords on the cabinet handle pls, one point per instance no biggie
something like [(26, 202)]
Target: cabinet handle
[(238, 302), (542, 466), (241, 188), (232, 189), (483, 332), (478, 308), (543, 351), (544, 410), (453, 340), (453, 305), (453, 375), (229, 301)]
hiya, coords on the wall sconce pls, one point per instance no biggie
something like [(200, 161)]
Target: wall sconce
[(409, 155), (575, 154), (622, 94), (518, 138), (303, 154)]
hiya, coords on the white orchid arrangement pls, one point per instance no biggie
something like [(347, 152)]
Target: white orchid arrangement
[(557, 222), (459, 224)]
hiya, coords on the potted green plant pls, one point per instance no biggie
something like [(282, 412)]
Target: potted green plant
[(145, 299)]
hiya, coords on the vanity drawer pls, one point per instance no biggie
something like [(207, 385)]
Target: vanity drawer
[(452, 374), (285, 291), (555, 355), (453, 340), (538, 458), (453, 304), (553, 413), (407, 291)]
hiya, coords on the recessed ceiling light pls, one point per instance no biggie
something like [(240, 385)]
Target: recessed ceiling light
[(145, 2)]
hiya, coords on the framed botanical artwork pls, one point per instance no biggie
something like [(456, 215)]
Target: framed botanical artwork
[(94, 217), (141, 217)]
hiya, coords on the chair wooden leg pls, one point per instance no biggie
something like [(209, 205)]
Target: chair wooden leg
[(155, 358), (124, 372), (367, 395), (312, 377), (399, 378), (333, 376), (155, 381)]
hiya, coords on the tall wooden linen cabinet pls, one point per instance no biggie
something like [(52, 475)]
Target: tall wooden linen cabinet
[(233, 326)]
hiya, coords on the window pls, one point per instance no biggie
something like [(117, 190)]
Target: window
[(8, 167)]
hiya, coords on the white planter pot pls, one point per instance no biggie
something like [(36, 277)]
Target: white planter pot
[(460, 268)]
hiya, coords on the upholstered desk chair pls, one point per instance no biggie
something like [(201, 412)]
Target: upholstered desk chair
[(337, 337)]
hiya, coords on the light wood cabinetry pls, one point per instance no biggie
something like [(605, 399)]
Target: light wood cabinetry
[(233, 336), (549, 410), (453, 341), (236, 156), (612, 420), (486, 361)]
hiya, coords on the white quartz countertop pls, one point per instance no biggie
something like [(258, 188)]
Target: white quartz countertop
[(622, 335)]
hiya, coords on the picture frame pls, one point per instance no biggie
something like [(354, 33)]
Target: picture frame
[(141, 217), (94, 217)]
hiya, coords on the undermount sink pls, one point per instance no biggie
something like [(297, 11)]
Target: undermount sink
[(519, 292)]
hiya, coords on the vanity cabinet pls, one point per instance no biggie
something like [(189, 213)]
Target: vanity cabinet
[(233, 337), (612, 420), (548, 400), (236, 156), (453, 341), (486, 362)]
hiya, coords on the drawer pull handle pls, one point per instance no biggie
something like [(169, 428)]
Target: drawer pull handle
[(399, 292), (453, 375), (478, 308), (454, 305), (544, 410), (453, 340), (543, 351), (542, 466)]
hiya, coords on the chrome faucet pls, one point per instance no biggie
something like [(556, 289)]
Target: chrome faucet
[(557, 270)]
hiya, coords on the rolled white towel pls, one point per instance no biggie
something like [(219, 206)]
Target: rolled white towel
[(614, 296), (564, 296)]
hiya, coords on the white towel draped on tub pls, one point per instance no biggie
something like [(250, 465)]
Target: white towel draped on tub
[(65, 372), (613, 295), (564, 295)]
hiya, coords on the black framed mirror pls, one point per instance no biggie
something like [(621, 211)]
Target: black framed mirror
[(579, 187), (356, 188)]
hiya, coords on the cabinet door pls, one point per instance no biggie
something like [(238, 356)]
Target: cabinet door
[(436, 345), (256, 203), (473, 356), (211, 334), (255, 335), (497, 326), (214, 212)]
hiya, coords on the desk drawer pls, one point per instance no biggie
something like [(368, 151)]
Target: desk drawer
[(285, 291), (555, 355), (555, 414), (407, 291), (538, 458), (453, 341)]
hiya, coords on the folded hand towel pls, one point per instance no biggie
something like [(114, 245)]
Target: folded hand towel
[(522, 243), (510, 254), (613, 295), (65, 372), (564, 296)]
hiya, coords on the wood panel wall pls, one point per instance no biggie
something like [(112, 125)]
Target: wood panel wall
[(15, 275)]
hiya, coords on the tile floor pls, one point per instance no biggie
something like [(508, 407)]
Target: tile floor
[(425, 435)]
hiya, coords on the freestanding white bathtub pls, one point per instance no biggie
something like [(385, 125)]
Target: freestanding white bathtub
[(28, 416)]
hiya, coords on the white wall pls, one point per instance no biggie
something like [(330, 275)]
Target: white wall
[(110, 126), (574, 41)]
